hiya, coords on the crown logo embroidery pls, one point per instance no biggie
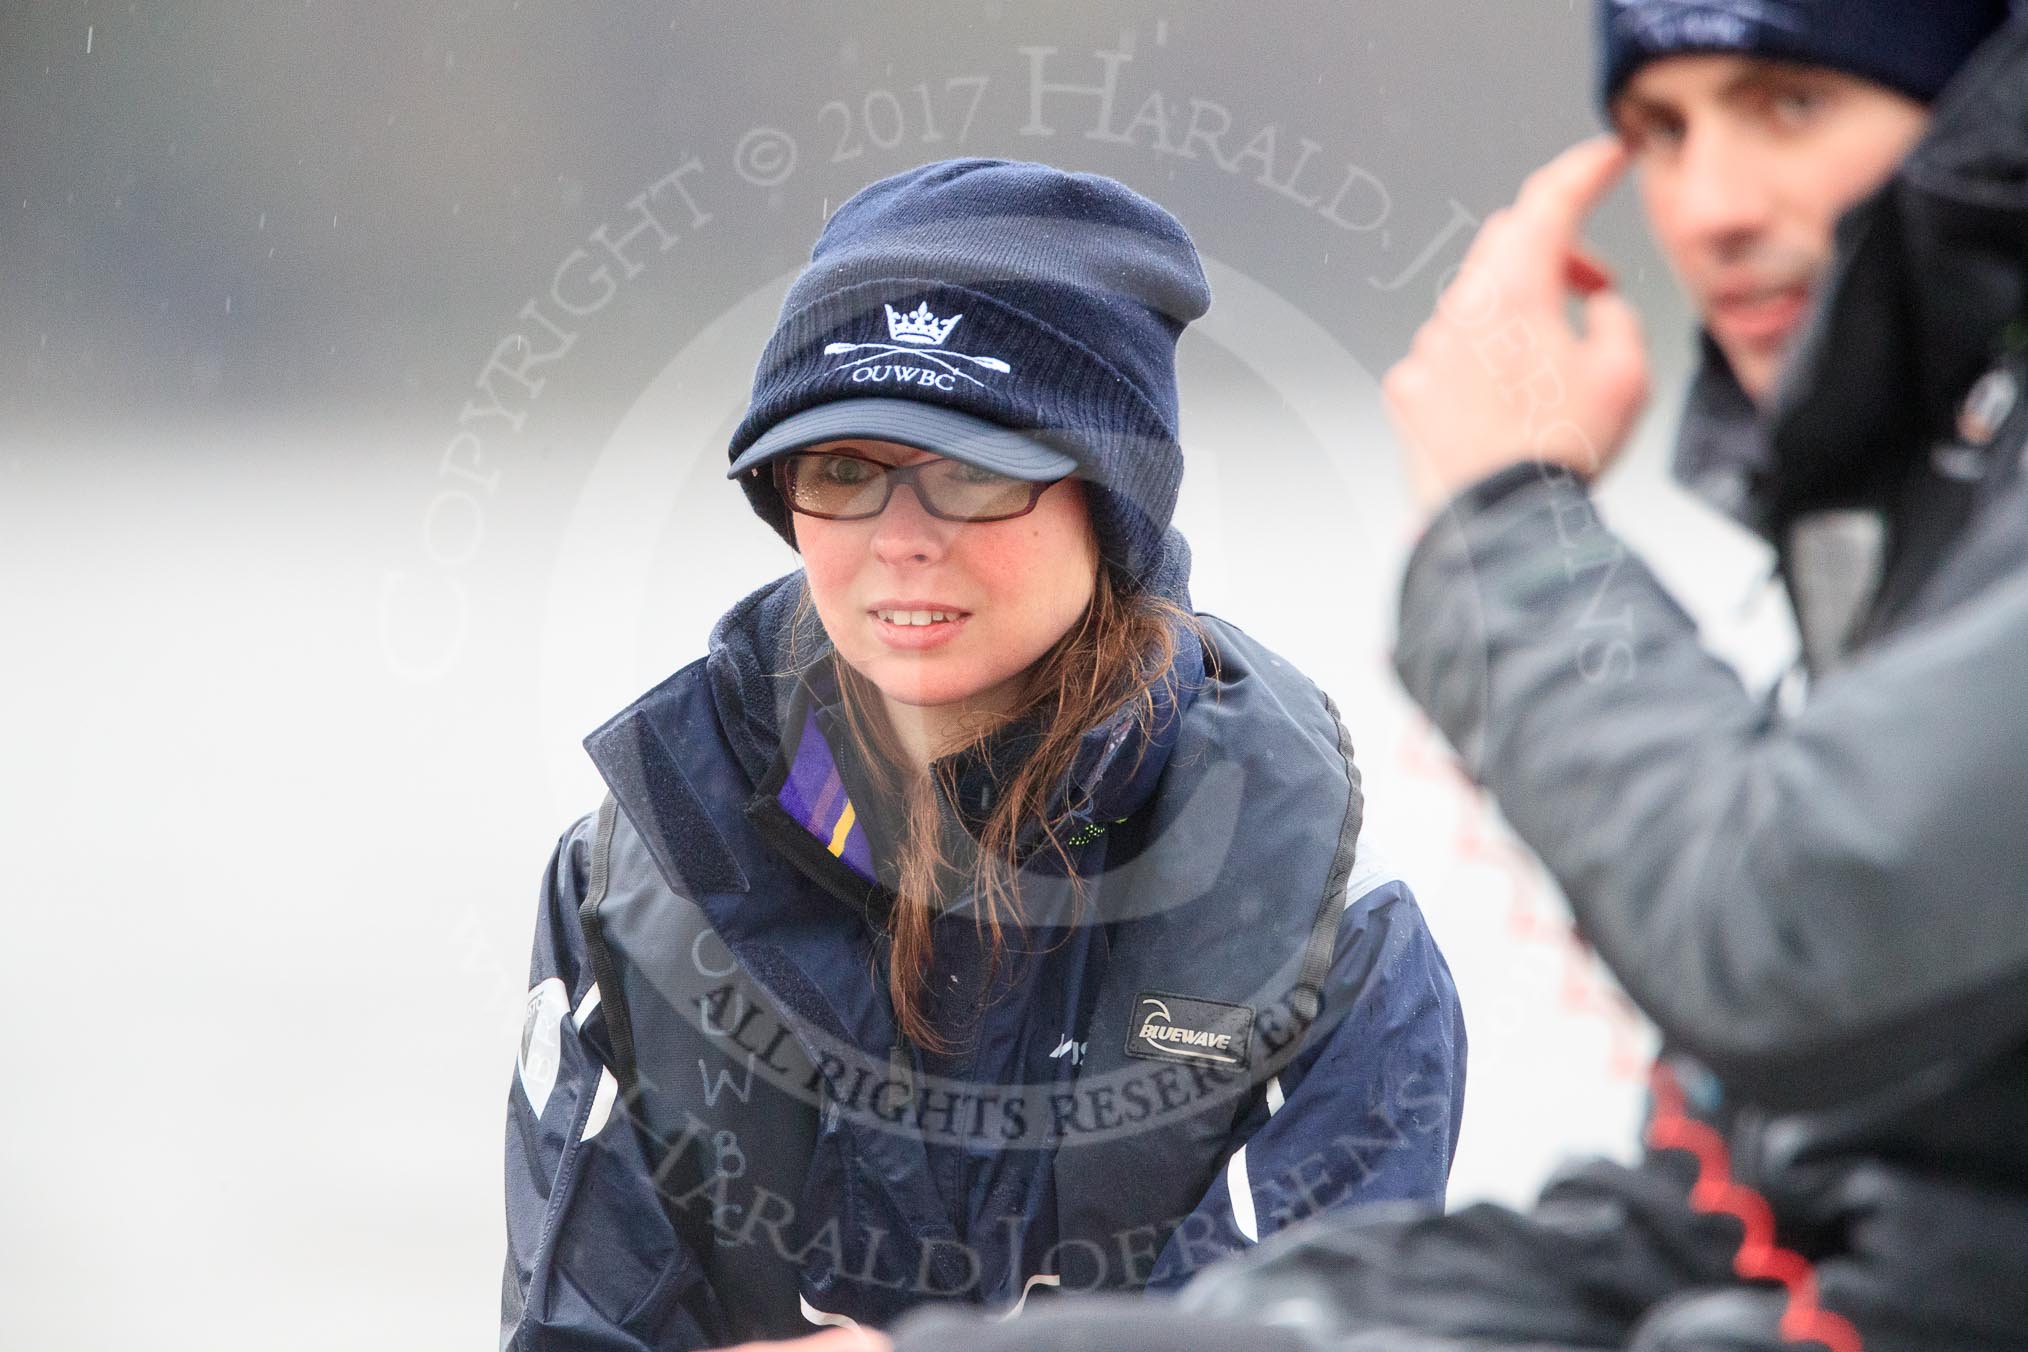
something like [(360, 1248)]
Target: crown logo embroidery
[(919, 327), (918, 336)]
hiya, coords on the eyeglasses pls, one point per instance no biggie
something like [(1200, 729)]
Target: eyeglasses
[(840, 486)]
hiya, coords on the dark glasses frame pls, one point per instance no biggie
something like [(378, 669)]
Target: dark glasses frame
[(892, 477)]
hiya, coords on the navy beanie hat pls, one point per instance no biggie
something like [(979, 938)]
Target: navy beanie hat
[(1913, 46), (1009, 314)]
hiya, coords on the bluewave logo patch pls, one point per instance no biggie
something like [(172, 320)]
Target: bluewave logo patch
[(1178, 1028), (918, 336)]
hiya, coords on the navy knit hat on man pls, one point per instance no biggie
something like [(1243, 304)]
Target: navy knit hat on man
[(1913, 46), (1010, 315)]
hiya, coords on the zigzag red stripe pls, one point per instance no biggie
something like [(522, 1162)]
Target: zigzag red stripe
[(1760, 1258)]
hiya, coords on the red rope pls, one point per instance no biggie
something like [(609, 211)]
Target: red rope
[(1760, 1258)]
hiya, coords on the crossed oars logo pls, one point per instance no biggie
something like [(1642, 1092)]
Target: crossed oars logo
[(919, 335)]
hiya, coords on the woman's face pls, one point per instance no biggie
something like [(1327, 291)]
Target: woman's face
[(1006, 591)]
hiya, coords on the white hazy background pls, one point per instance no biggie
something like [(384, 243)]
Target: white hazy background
[(291, 710)]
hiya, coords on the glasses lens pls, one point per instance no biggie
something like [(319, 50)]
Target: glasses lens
[(967, 493), (835, 485)]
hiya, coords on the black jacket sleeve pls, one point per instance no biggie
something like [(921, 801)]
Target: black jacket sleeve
[(1817, 907)]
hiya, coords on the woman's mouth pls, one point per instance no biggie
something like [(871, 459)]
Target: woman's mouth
[(917, 617), (915, 628)]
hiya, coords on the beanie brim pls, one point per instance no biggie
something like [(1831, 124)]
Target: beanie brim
[(932, 427)]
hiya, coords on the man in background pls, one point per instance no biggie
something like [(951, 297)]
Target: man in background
[(1825, 911)]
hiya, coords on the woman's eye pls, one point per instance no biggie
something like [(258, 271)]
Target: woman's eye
[(963, 473), (840, 469)]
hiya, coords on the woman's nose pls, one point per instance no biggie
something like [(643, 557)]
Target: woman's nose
[(905, 532)]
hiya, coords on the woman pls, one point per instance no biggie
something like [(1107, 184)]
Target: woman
[(974, 918)]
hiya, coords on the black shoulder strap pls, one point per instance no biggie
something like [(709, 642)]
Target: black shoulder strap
[(619, 1029), (710, 1075), (1324, 931)]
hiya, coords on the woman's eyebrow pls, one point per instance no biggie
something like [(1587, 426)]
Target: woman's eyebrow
[(888, 456), (879, 455)]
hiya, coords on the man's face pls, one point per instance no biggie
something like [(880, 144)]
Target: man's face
[(1745, 166)]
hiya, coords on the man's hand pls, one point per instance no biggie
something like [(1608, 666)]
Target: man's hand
[(830, 1340), (1498, 375)]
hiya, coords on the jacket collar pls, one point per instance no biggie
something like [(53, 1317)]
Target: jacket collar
[(760, 651), (1722, 450)]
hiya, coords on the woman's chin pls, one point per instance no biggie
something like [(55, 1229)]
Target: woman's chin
[(927, 697), (933, 690)]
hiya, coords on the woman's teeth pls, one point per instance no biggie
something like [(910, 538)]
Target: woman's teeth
[(916, 616)]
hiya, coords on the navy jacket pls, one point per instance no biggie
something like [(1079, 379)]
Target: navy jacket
[(716, 1132)]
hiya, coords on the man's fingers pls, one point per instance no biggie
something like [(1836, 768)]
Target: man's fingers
[(1558, 197), (1611, 325), (1500, 373), (1615, 350), (1531, 249), (1585, 274)]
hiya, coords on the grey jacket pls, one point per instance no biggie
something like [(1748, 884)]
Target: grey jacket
[(1830, 909)]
